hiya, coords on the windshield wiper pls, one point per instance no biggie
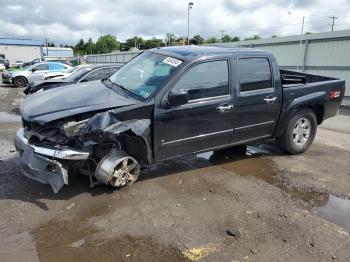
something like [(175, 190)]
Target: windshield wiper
[(119, 86)]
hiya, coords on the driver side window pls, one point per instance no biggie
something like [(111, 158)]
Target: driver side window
[(205, 80)]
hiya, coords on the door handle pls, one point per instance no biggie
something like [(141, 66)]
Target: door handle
[(224, 108), (270, 99)]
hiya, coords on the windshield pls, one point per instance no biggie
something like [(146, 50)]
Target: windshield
[(144, 74), (78, 74)]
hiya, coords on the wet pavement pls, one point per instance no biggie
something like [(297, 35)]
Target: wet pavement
[(240, 204)]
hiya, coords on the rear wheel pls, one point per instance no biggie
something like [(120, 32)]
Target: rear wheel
[(20, 81), (300, 132)]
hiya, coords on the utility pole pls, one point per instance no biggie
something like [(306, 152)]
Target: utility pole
[(222, 35), (47, 47), (190, 4), (301, 40), (333, 18)]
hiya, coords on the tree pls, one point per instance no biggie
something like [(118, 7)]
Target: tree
[(90, 47), (255, 37), (211, 40), (151, 43), (228, 38), (79, 48), (134, 42), (198, 39), (170, 38), (106, 44)]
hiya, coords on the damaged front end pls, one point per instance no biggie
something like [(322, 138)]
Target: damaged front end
[(108, 150)]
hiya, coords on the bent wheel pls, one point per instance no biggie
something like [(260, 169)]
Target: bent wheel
[(117, 169)]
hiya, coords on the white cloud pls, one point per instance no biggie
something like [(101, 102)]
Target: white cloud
[(65, 21)]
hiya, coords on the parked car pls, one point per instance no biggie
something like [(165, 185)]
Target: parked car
[(18, 64), (7, 74), (35, 72), (34, 61), (4, 63), (61, 75), (170, 102), (84, 73)]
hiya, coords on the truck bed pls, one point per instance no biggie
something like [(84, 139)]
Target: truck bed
[(291, 78)]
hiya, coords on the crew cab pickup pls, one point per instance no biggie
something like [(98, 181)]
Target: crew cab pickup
[(169, 102)]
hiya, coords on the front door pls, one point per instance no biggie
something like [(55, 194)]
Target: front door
[(206, 121)]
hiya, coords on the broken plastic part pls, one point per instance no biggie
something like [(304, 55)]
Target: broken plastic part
[(133, 135)]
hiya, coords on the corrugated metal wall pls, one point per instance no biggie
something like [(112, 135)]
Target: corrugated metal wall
[(119, 58), (20, 53)]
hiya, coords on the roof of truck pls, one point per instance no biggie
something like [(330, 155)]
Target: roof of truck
[(189, 52)]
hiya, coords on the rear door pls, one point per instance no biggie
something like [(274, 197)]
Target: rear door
[(258, 98), (37, 72)]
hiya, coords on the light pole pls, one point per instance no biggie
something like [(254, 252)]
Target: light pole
[(190, 4), (301, 41)]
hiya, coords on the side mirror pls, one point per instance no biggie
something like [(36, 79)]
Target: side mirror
[(178, 98), (84, 80)]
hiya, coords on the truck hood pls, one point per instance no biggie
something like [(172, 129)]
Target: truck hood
[(72, 100)]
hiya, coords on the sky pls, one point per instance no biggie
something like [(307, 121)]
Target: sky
[(66, 21)]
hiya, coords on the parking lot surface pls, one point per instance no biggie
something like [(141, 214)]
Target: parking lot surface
[(239, 204)]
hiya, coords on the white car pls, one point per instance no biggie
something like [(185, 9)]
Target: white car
[(2, 67), (61, 75), (35, 72)]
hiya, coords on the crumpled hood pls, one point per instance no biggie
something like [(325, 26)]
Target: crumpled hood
[(50, 81), (72, 100)]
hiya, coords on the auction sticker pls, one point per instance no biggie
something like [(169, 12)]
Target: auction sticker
[(172, 61)]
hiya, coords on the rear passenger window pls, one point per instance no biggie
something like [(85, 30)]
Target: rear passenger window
[(209, 79), (254, 74), (95, 75)]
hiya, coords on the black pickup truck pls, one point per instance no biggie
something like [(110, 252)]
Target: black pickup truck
[(169, 102)]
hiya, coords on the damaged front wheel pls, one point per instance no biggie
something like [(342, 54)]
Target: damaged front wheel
[(117, 169)]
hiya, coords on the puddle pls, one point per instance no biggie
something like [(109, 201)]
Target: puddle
[(9, 118), (255, 162), (76, 241), (337, 211)]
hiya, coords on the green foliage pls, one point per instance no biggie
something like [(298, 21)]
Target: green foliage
[(211, 40), (255, 37), (199, 40), (142, 44), (106, 44), (228, 38)]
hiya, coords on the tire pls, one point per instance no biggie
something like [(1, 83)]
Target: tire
[(20, 81), (299, 133)]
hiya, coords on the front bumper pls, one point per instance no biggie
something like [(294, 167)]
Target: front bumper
[(6, 80), (43, 164)]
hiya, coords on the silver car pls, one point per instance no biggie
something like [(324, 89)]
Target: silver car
[(35, 72)]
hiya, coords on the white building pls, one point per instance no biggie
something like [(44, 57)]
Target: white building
[(57, 52), (20, 49)]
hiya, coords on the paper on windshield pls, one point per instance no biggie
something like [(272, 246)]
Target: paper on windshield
[(172, 61)]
